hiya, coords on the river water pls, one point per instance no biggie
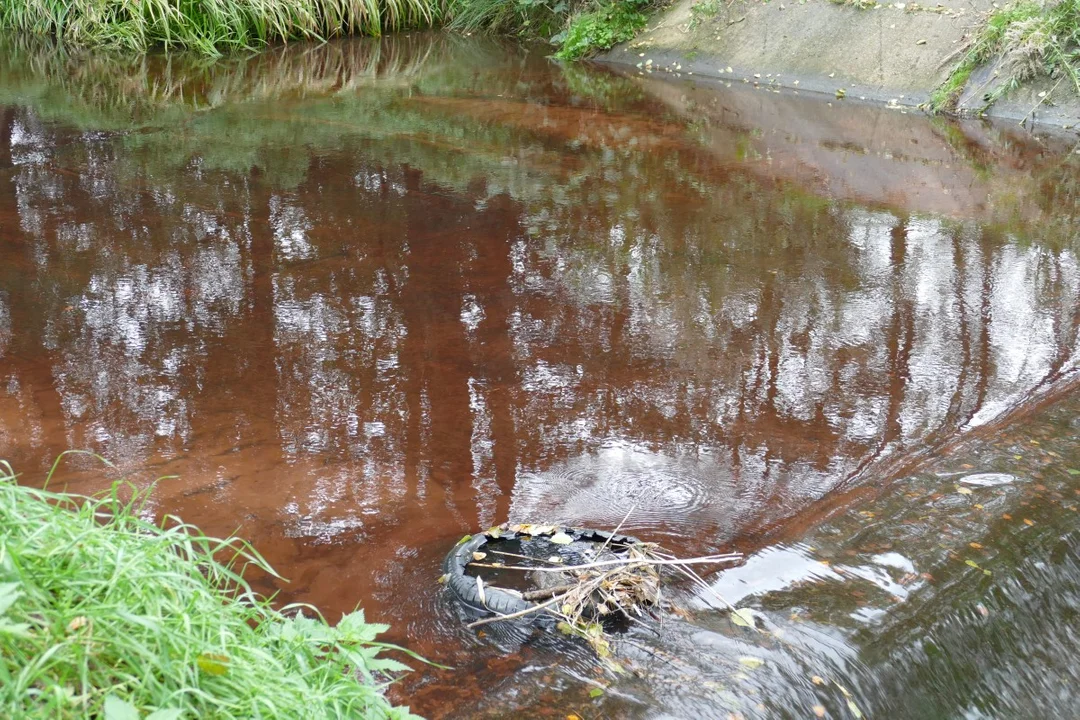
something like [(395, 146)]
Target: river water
[(354, 301)]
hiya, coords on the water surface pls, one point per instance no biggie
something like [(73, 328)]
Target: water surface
[(357, 300)]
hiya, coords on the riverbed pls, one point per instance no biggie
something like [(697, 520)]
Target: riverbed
[(354, 301)]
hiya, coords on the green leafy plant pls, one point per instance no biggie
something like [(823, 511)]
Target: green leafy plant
[(704, 10), (579, 27), (103, 614), (600, 29)]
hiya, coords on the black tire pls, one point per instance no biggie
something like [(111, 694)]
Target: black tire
[(497, 601)]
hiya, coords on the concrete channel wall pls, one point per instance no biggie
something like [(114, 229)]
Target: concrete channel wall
[(896, 54)]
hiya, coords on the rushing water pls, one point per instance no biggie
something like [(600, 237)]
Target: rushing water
[(354, 301)]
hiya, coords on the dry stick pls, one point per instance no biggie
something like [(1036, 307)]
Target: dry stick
[(616, 530), (697, 579), (604, 563), (547, 592), (1042, 99)]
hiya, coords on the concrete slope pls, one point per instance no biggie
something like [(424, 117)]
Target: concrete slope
[(896, 54)]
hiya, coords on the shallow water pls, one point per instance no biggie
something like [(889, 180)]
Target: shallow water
[(360, 299)]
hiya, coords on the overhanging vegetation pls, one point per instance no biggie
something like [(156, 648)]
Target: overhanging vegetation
[(104, 614), (210, 26)]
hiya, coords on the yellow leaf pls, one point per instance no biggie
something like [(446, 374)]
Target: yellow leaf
[(213, 663), (817, 680), (819, 710), (743, 617), (963, 490), (1028, 522), (750, 662), (479, 555), (561, 538)]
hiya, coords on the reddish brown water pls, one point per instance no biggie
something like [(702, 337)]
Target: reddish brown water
[(359, 300)]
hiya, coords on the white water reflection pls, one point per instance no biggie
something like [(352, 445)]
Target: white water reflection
[(512, 337)]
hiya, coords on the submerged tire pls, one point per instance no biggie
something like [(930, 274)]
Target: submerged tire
[(495, 600)]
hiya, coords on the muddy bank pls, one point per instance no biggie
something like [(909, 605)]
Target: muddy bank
[(894, 54)]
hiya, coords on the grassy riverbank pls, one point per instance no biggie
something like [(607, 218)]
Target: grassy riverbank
[(210, 26), (578, 27), (103, 614), (1022, 41)]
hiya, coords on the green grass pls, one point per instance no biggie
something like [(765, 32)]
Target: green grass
[(209, 26), (1025, 40), (611, 23), (106, 615), (579, 27)]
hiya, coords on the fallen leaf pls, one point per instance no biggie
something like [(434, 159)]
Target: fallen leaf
[(751, 662), (479, 555), (964, 490), (819, 710), (1006, 516), (1028, 522), (561, 538), (817, 680), (743, 617), (78, 622), (975, 545), (596, 692)]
